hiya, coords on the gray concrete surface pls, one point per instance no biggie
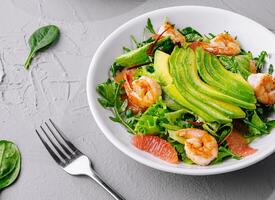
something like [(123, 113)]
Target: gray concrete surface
[(55, 87)]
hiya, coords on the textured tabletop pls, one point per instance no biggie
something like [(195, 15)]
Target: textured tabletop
[(55, 87)]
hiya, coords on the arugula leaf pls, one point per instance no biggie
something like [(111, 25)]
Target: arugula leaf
[(237, 64), (191, 35), (114, 68), (141, 44), (256, 126), (126, 50), (270, 69), (270, 124), (207, 38), (107, 91), (118, 108), (260, 60), (219, 131), (180, 150), (110, 92), (150, 27), (223, 154)]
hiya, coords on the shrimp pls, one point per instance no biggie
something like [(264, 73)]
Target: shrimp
[(142, 92), (222, 44), (168, 29), (199, 146), (264, 87)]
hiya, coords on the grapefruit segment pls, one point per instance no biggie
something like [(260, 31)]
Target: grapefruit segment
[(156, 146), (238, 144)]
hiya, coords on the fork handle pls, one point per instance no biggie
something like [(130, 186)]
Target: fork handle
[(108, 188)]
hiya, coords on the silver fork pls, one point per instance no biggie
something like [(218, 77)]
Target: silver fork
[(70, 158)]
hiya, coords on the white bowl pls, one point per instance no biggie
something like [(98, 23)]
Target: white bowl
[(253, 37)]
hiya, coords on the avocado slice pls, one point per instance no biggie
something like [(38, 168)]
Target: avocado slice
[(165, 79), (179, 78), (161, 68), (138, 56), (135, 57), (232, 81), (196, 86), (218, 67), (227, 92)]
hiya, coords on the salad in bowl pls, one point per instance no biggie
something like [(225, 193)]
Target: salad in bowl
[(190, 97)]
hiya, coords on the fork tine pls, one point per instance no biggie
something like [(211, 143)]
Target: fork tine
[(67, 141), (54, 145), (59, 142), (54, 156)]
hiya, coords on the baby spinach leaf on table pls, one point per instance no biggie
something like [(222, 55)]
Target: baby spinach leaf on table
[(8, 158), (191, 35), (149, 26), (260, 61), (9, 163), (11, 177), (41, 39)]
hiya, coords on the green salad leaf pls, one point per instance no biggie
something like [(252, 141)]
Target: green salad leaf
[(219, 131), (257, 126), (270, 69), (115, 68), (150, 27), (224, 153), (260, 61), (107, 91), (41, 39), (237, 64), (180, 150), (9, 163), (191, 35), (110, 93), (149, 121)]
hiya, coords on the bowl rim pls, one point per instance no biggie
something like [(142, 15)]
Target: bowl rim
[(90, 87)]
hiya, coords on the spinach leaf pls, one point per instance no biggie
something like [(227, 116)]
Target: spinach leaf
[(9, 163), (150, 27), (191, 35), (223, 154), (41, 39), (260, 61)]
